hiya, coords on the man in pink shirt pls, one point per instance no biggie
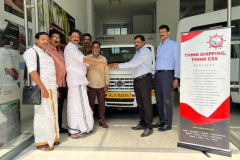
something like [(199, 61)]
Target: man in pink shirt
[(57, 55)]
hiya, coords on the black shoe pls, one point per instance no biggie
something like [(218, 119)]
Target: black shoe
[(165, 128), (138, 127), (159, 124), (63, 130), (147, 132)]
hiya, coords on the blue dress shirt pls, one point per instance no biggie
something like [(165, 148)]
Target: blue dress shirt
[(168, 57), (141, 63)]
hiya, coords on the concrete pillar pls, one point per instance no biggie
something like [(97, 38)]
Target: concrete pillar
[(167, 12), (90, 18), (209, 6)]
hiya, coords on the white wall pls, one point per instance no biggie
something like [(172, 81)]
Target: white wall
[(168, 12), (98, 25), (142, 24)]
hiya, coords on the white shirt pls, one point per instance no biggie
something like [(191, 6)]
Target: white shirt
[(76, 69), (47, 67), (141, 63)]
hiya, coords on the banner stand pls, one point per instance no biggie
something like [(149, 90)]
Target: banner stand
[(227, 153), (205, 91)]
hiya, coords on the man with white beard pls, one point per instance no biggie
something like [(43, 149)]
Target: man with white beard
[(99, 79), (80, 115)]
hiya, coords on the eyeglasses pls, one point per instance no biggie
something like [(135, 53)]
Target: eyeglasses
[(97, 48), (55, 38), (162, 32), (87, 40)]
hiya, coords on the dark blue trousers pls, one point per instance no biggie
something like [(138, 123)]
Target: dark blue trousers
[(163, 82)]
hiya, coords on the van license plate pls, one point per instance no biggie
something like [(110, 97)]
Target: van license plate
[(119, 95)]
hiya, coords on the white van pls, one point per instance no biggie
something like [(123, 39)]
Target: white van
[(214, 19), (121, 92)]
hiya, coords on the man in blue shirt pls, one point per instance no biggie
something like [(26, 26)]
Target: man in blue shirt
[(141, 65), (166, 77)]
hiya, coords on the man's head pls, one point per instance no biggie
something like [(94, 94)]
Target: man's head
[(74, 37), (96, 48), (139, 42), (164, 32), (86, 40), (54, 38), (41, 40)]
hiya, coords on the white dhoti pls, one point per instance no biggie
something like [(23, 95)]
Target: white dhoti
[(80, 115), (46, 130)]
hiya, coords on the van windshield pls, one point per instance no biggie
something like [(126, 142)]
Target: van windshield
[(118, 54)]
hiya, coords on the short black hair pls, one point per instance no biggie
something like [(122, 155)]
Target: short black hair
[(96, 42), (52, 32), (87, 34), (39, 34), (72, 31), (164, 26), (139, 36)]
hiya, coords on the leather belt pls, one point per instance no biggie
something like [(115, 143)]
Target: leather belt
[(159, 71), (142, 76)]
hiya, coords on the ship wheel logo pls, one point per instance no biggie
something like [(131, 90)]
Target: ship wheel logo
[(216, 41)]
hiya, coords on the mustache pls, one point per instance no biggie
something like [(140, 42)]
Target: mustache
[(56, 42), (161, 35)]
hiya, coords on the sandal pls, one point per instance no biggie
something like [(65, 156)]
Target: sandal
[(45, 148), (74, 136), (57, 143)]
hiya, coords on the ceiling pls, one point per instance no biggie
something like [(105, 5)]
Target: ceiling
[(113, 13)]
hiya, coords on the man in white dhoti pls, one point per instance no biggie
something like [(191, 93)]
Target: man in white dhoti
[(80, 115), (46, 129)]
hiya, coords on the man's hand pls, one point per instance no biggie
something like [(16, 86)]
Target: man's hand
[(106, 88), (44, 93), (58, 94), (103, 64), (175, 83), (114, 65)]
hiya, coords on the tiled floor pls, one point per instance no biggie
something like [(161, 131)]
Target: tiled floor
[(119, 142)]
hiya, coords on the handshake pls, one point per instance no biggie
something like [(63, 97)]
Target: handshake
[(113, 65)]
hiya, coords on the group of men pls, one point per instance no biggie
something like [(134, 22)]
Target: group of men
[(82, 74)]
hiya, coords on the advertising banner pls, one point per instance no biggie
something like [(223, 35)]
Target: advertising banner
[(9, 122), (51, 14), (205, 90), (9, 82), (9, 62), (16, 7)]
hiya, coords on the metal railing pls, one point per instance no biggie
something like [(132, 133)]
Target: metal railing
[(25, 7)]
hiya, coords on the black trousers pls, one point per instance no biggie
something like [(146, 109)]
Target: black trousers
[(142, 89), (63, 94), (163, 88)]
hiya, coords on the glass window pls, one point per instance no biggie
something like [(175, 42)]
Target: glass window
[(123, 31), (110, 31), (117, 31), (118, 54)]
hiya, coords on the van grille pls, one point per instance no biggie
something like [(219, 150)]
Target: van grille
[(121, 84)]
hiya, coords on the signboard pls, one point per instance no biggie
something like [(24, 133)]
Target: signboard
[(124, 39), (9, 82), (16, 7), (205, 90)]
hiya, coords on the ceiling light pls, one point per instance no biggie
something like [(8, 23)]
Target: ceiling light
[(115, 1)]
